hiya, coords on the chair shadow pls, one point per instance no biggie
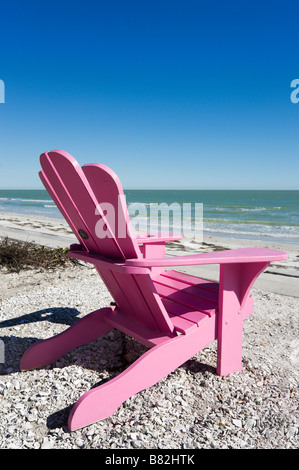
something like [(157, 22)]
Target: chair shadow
[(65, 316), (59, 419), (15, 347), (196, 367)]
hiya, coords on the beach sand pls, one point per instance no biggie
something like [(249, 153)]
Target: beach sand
[(280, 277), (192, 407)]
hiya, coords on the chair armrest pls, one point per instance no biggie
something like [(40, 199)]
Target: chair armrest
[(240, 255), (157, 239)]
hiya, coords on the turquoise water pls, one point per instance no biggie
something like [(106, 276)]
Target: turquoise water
[(252, 214)]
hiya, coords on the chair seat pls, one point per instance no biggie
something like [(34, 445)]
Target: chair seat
[(187, 299)]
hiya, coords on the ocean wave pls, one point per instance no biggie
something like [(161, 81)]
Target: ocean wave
[(267, 233), (236, 209), (228, 209), (243, 230), (252, 209), (250, 222), (28, 200)]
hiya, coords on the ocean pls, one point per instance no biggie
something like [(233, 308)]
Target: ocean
[(249, 214)]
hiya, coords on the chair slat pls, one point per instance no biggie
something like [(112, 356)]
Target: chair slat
[(182, 318), (182, 311), (195, 290), (107, 188), (192, 280), (67, 209), (138, 331), (185, 299), (139, 308), (182, 325), (70, 184), (114, 288), (153, 300)]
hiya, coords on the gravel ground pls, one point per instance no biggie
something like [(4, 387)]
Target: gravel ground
[(189, 409)]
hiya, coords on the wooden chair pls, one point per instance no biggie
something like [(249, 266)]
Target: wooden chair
[(174, 314)]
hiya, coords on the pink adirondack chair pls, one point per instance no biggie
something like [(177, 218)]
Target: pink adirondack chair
[(174, 314)]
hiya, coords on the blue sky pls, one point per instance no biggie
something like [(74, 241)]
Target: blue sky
[(170, 94)]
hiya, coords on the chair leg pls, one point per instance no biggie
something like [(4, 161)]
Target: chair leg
[(82, 332), (101, 402), (229, 347), (230, 322), (236, 281)]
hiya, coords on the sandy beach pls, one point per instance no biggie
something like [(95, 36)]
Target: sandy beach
[(192, 407), (281, 277)]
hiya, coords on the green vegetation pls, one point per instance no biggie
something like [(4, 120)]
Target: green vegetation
[(17, 255)]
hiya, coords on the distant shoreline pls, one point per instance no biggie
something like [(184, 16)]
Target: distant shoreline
[(42, 229), (281, 277), (265, 215)]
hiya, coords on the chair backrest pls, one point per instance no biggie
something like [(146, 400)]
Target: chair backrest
[(85, 197)]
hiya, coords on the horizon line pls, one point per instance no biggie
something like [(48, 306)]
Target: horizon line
[(169, 189)]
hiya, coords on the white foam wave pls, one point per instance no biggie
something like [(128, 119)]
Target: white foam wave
[(29, 200)]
